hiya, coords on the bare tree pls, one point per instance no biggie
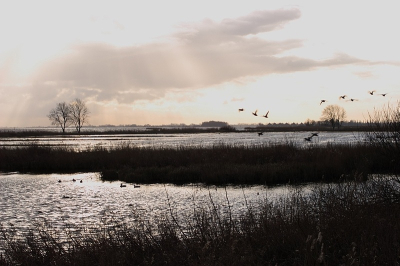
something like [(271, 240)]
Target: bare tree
[(79, 113), (384, 125), (61, 115), (334, 114)]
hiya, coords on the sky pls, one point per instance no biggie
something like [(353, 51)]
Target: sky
[(185, 62)]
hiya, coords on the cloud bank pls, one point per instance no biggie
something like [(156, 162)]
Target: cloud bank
[(205, 54)]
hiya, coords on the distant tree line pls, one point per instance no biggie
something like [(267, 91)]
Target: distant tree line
[(214, 124), (66, 114)]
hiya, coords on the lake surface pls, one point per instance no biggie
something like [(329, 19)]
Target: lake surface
[(94, 204), (177, 140)]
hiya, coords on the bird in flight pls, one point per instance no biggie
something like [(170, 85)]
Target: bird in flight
[(322, 101), (241, 109), (255, 113), (314, 135), (308, 138), (371, 92), (353, 100), (266, 115), (260, 133), (383, 94), (342, 97)]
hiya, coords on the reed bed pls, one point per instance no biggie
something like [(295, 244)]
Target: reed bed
[(352, 223), (221, 164)]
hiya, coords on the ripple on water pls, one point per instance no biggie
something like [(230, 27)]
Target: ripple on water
[(29, 199)]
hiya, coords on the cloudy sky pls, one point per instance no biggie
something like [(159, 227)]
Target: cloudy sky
[(162, 62)]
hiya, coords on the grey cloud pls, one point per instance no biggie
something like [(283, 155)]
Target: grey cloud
[(210, 54), (341, 59), (258, 21), (234, 30)]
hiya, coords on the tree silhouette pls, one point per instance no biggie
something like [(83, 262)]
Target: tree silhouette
[(60, 115), (333, 114), (79, 113)]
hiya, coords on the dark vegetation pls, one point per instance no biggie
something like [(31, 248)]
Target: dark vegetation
[(221, 164)]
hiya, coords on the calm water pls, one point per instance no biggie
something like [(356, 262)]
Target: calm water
[(177, 140)]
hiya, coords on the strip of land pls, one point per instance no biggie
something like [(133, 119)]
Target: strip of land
[(221, 164)]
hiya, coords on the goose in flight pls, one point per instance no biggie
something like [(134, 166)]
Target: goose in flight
[(314, 135), (372, 92), (342, 97), (241, 110), (353, 100), (266, 115), (259, 134), (308, 138), (255, 113), (322, 101), (383, 94)]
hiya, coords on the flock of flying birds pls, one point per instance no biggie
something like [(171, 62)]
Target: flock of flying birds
[(341, 97)]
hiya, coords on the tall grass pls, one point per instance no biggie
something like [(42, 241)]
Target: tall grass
[(384, 127), (220, 164), (353, 223)]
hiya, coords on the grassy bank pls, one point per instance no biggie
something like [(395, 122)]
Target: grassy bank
[(346, 224), (220, 164)]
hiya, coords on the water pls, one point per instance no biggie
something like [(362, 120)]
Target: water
[(92, 204), (176, 140)]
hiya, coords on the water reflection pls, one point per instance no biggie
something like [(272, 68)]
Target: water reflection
[(179, 140), (28, 199)]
